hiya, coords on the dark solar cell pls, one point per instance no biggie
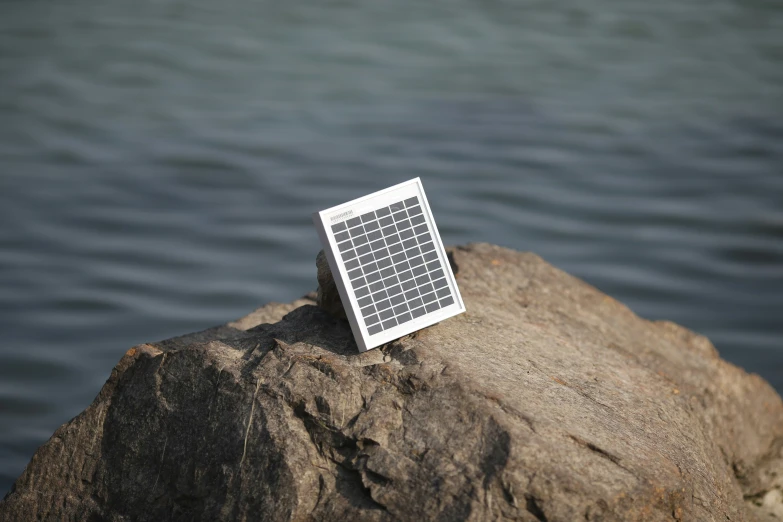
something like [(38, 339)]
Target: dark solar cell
[(339, 227)]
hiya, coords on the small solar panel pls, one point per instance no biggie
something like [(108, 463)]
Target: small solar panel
[(388, 263)]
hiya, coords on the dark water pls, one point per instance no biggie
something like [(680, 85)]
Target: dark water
[(159, 161)]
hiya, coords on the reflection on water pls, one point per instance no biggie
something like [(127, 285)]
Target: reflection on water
[(159, 161)]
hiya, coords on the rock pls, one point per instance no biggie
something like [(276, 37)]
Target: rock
[(546, 401), (327, 296)]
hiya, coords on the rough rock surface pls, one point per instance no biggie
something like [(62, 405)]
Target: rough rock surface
[(546, 401)]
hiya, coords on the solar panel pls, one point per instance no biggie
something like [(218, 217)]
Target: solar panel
[(388, 264)]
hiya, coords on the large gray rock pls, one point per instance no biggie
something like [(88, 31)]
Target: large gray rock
[(546, 401)]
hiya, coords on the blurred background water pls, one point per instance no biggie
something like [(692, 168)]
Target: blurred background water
[(159, 161)]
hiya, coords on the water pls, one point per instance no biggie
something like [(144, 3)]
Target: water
[(159, 161)]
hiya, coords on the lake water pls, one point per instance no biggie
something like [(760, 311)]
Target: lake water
[(159, 161)]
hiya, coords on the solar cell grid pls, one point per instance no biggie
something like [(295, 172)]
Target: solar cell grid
[(392, 265), (387, 261)]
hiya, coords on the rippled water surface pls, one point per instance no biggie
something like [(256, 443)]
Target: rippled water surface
[(159, 161)]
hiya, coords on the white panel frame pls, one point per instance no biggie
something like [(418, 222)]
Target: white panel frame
[(324, 220)]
